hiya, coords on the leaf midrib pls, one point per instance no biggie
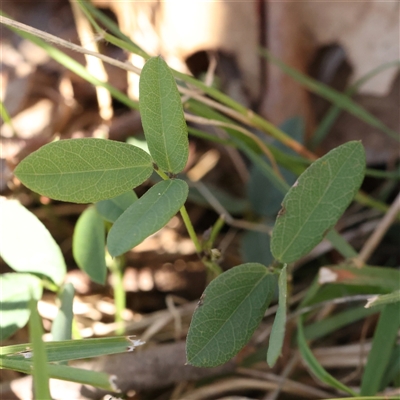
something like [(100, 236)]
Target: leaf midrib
[(294, 237), (233, 312)]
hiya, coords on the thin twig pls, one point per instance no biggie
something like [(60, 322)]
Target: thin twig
[(284, 376), (219, 208), (377, 235), (339, 300), (246, 132), (93, 64), (61, 42)]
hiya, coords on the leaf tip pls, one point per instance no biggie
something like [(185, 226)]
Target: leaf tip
[(112, 380), (326, 275), (134, 343)]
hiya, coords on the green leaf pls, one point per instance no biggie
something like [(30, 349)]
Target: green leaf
[(68, 350), (392, 373), (382, 347), (63, 372), (386, 279), (40, 366), (112, 209), (317, 200), (384, 299), (84, 170), (331, 324), (228, 313), (162, 116), (278, 328), (147, 215), (62, 324), (88, 245), (26, 245), (15, 293)]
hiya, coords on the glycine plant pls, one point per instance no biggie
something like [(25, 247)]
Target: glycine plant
[(104, 172)]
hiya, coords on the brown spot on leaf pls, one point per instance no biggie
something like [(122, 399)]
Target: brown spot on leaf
[(281, 212), (201, 301)]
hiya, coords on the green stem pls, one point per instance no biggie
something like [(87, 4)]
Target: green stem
[(162, 174), (213, 270), (190, 229), (214, 232)]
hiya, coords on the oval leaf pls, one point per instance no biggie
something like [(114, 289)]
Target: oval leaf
[(317, 200), (84, 170), (147, 215), (16, 291), (88, 245), (162, 116), (26, 245), (112, 209), (228, 313)]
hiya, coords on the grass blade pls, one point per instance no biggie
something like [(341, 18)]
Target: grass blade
[(76, 349), (382, 348), (40, 366), (384, 299), (330, 94), (65, 373), (315, 367), (334, 112), (278, 328)]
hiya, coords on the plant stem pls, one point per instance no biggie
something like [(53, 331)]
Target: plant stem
[(162, 174), (190, 229), (215, 230)]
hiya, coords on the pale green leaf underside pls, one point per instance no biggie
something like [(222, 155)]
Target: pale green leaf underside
[(26, 245), (162, 116), (84, 170), (317, 200), (88, 245), (16, 291), (147, 215), (229, 311)]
